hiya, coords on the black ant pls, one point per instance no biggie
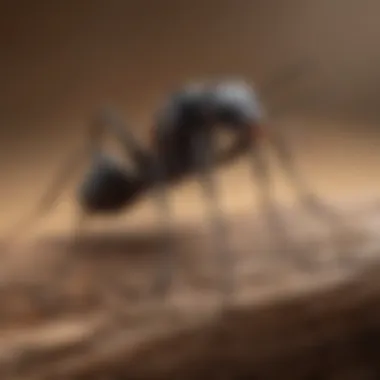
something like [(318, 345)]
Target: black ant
[(183, 144)]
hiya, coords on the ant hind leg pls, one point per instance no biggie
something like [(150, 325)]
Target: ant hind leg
[(48, 200), (166, 265)]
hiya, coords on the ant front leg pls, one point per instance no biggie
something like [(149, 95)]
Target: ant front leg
[(308, 198), (337, 226), (266, 202), (204, 155)]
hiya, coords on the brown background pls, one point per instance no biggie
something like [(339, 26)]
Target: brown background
[(60, 60)]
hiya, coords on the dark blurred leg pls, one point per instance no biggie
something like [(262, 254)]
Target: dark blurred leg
[(70, 257), (203, 151), (108, 121), (310, 202), (105, 122), (167, 259), (49, 199), (276, 231), (308, 198)]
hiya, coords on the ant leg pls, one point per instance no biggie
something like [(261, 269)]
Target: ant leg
[(109, 121), (248, 140), (48, 200), (308, 198), (266, 204), (73, 244), (312, 204), (203, 153), (80, 226), (95, 135), (164, 273)]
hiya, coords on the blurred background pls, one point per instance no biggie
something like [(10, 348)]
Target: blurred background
[(62, 59)]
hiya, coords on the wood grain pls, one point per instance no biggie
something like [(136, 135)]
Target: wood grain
[(83, 311)]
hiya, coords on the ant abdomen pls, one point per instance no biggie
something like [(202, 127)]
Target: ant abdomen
[(108, 186)]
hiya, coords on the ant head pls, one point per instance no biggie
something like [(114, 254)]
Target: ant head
[(108, 186)]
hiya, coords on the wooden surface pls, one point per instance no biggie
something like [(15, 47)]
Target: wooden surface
[(83, 311)]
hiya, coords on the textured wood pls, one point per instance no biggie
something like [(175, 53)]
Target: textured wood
[(82, 312)]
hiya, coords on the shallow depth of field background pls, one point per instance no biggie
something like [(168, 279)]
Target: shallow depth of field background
[(60, 60)]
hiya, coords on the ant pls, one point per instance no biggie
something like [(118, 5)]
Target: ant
[(183, 144)]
